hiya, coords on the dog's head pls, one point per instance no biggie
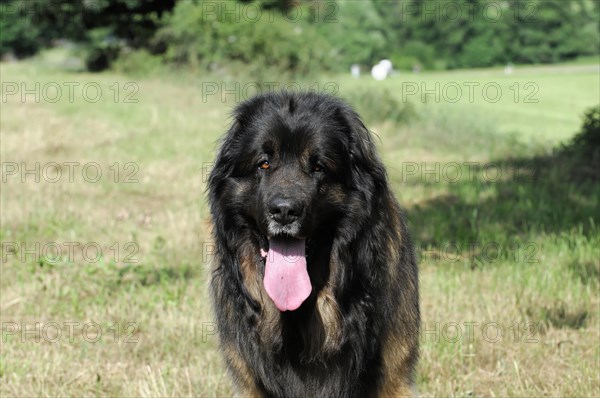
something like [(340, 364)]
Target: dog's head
[(291, 169)]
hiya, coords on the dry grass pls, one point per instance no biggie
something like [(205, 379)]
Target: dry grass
[(164, 342)]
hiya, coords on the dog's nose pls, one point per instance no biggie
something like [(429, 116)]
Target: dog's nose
[(285, 210)]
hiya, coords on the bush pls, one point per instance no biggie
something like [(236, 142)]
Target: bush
[(212, 39), (414, 53), (582, 153), (355, 32), (101, 50), (102, 27), (18, 35), (483, 51), (587, 141)]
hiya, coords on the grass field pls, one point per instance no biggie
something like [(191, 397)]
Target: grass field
[(105, 247)]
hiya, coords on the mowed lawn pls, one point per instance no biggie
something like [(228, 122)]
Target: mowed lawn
[(105, 243)]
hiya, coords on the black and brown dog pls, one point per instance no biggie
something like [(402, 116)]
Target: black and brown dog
[(315, 283)]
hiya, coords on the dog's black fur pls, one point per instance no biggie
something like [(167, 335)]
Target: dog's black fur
[(357, 333)]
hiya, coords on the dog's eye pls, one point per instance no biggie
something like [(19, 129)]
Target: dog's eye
[(317, 168), (264, 165)]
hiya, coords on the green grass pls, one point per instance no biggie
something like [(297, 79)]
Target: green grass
[(519, 254)]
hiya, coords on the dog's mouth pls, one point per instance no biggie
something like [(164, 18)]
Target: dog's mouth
[(286, 279)]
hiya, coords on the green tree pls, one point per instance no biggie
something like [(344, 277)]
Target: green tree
[(102, 25)]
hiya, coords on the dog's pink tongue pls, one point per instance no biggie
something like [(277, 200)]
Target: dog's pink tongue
[(286, 279)]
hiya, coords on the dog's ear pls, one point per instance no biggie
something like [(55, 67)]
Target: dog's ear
[(223, 166), (232, 147), (365, 162)]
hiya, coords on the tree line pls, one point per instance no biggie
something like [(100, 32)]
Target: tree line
[(302, 37)]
